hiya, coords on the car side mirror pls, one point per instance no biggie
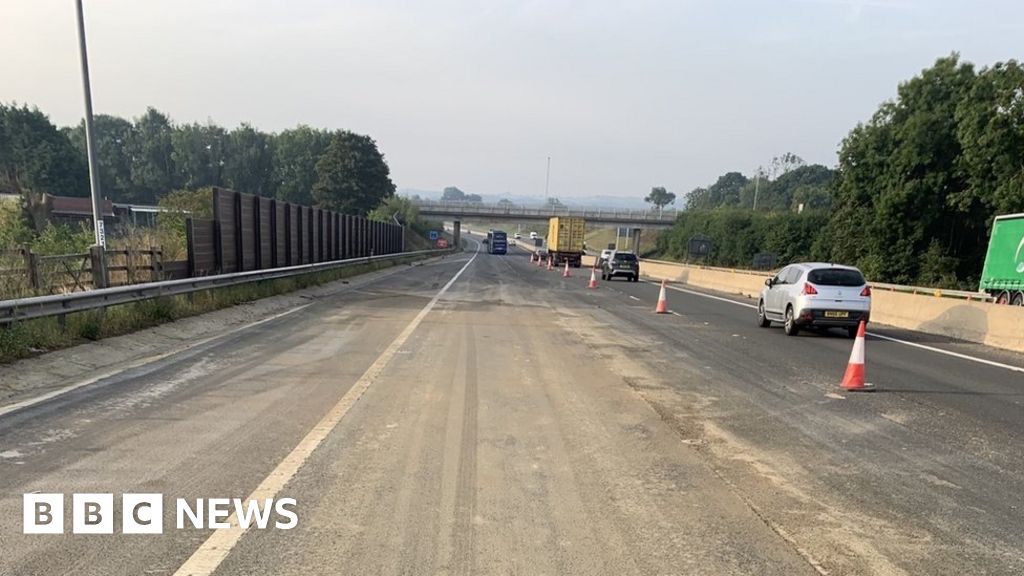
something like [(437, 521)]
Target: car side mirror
[(769, 282)]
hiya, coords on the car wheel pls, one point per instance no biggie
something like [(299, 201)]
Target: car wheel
[(851, 331), (636, 278), (762, 319), (604, 276), (1018, 299), (791, 328), (1003, 297)]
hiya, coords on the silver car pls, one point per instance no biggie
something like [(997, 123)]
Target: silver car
[(815, 294)]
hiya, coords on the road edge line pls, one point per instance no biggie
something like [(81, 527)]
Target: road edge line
[(212, 552)]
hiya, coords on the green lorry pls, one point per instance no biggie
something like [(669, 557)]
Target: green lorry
[(1002, 278)]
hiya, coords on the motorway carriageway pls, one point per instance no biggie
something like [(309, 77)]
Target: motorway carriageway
[(481, 415)]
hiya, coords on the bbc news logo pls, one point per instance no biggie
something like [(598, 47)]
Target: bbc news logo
[(144, 513)]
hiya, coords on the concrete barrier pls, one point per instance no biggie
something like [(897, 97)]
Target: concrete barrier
[(982, 322)]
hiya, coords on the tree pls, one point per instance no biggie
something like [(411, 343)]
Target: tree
[(784, 164), (111, 135), (660, 197), (453, 194), (199, 152), (396, 206), (249, 164), (152, 163), (900, 180), (35, 156), (726, 191), (352, 176), (296, 152)]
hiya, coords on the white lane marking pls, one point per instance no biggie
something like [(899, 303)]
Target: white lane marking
[(142, 362), (678, 289), (633, 297), (949, 353), (205, 560), (874, 334)]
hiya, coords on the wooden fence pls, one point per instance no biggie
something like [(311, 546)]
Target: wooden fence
[(24, 273)]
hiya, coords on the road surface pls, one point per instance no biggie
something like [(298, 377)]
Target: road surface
[(480, 415)]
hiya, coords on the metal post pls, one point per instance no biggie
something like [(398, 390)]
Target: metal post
[(757, 185), (547, 178), (90, 148)]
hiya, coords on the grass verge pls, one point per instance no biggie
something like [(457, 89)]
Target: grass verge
[(32, 337)]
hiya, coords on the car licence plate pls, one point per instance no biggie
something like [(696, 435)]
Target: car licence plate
[(836, 314)]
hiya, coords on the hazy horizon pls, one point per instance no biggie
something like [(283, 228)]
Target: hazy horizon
[(621, 98)]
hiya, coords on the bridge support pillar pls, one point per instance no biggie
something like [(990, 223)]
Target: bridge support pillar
[(457, 233), (635, 241)]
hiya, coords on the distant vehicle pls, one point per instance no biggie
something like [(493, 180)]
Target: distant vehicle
[(533, 235), (517, 236), (815, 294), (497, 242), (604, 256), (620, 263), (565, 240), (1002, 277)]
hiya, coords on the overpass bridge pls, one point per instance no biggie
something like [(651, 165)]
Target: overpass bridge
[(492, 212)]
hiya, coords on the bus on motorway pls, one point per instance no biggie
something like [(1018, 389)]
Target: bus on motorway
[(497, 242)]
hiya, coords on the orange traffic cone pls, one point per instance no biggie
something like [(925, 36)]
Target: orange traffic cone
[(566, 273), (593, 278), (662, 307), (853, 380), (550, 265), (540, 261)]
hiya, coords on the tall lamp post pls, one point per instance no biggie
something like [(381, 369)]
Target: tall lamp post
[(90, 147)]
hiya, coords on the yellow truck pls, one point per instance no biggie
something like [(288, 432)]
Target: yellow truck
[(565, 240)]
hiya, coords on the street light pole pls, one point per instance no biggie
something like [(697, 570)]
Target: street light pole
[(547, 179), (757, 185), (90, 147)]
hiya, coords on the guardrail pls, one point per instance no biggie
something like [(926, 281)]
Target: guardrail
[(58, 305)]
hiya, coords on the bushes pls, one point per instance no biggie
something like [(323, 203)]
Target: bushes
[(737, 235)]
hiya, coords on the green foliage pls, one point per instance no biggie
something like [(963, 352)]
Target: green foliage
[(63, 239), (660, 197), (152, 165), (249, 165), (738, 234), (295, 156), (903, 204), (406, 211), (198, 154), (352, 176), (113, 137), (35, 156), (179, 206), (453, 194), (14, 225)]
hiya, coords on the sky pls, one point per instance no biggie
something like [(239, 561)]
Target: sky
[(622, 96)]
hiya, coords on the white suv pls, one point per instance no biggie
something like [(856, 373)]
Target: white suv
[(814, 294)]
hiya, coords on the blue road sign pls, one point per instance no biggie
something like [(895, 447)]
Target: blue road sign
[(433, 234)]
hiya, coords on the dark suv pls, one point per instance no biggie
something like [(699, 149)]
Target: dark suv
[(620, 264)]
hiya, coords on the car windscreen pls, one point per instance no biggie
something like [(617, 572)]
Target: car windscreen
[(835, 277), (625, 257)]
